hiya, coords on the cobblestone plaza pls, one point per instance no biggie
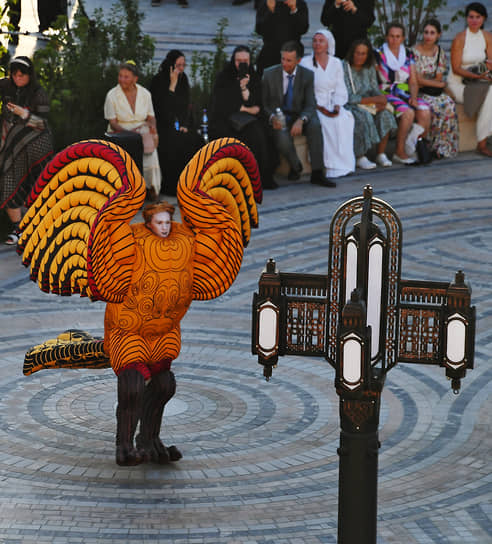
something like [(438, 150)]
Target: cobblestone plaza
[(260, 462)]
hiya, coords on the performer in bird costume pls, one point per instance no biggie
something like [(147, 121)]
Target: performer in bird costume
[(77, 238)]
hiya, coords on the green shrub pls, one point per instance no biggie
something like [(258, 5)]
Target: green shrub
[(78, 66), (411, 13), (205, 66)]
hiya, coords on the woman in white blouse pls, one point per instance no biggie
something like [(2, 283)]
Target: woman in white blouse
[(470, 49), (128, 106), (337, 123)]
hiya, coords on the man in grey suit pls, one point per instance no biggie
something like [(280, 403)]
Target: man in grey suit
[(290, 87)]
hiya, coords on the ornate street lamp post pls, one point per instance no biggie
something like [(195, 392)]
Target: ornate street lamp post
[(364, 319)]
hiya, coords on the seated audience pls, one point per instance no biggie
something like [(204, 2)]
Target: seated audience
[(471, 62), (235, 110), (431, 67), (128, 106), (171, 98), (278, 22), (373, 121), (398, 80), (290, 88), (337, 123)]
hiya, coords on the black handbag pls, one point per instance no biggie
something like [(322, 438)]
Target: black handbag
[(478, 69), (433, 91), (424, 153), (240, 119)]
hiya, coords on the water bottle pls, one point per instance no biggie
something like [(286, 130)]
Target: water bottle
[(204, 126), (330, 106), (280, 117)]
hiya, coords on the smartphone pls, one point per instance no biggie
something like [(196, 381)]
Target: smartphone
[(242, 70)]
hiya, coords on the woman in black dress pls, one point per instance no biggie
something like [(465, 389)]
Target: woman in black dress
[(235, 111), (26, 145), (171, 98)]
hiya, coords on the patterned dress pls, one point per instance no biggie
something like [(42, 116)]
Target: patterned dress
[(444, 131), (369, 129), (25, 145), (395, 84)]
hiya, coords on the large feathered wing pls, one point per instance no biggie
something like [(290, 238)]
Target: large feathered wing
[(76, 236), (217, 194)]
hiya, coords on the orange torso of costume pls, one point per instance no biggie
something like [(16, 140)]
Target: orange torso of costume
[(159, 296)]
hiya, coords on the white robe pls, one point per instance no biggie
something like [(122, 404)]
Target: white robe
[(338, 132), (116, 106)]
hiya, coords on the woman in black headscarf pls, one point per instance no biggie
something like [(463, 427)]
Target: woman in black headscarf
[(171, 98), (235, 110), (26, 145)]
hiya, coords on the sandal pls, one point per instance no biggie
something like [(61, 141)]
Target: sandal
[(13, 238)]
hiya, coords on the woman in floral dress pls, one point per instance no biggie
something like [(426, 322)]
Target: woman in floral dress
[(431, 65)]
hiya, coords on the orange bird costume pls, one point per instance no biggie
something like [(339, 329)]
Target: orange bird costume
[(77, 238)]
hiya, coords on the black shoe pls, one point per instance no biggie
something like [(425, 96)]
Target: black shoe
[(239, 2), (183, 3), (270, 185), (317, 178), (293, 175), (295, 172)]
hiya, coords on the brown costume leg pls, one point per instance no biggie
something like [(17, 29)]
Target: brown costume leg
[(131, 386), (157, 393)]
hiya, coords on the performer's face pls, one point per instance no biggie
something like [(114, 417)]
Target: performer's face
[(160, 224)]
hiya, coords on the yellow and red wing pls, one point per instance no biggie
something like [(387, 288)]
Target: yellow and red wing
[(217, 194), (75, 235)]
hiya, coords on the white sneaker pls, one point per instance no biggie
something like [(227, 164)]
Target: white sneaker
[(383, 160), (398, 159), (364, 163)]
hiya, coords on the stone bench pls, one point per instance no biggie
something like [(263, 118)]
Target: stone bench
[(302, 152), (468, 142), (468, 132)]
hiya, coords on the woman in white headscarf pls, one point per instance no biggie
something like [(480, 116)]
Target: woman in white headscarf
[(337, 123)]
